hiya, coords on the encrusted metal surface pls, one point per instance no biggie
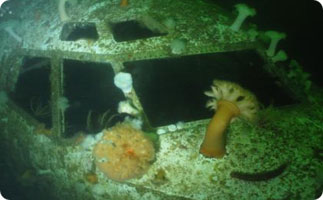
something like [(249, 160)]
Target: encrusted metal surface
[(179, 171)]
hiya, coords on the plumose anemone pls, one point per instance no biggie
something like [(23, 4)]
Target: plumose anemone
[(229, 100)]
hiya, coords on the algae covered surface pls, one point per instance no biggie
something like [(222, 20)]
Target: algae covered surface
[(278, 157)]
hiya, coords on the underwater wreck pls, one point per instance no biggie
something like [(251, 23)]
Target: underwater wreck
[(106, 99)]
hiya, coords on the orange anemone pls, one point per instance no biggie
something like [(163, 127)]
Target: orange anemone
[(229, 100), (124, 3)]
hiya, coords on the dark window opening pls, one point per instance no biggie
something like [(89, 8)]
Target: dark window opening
[(132, 30), (33, 89), (76, 31), (93, 98), (172, 89)]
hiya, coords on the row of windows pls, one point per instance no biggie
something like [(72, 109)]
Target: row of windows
[(170, 90), (123, 31)]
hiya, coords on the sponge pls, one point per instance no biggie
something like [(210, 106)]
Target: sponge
[(124, 153)]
